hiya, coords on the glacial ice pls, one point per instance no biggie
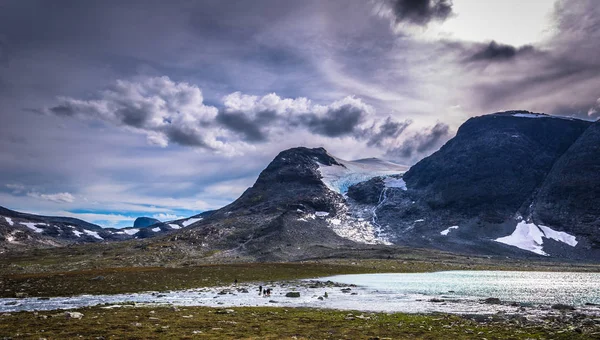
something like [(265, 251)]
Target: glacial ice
[(340, 178)]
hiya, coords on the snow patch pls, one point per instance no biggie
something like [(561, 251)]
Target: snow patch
[(528, 236), (191, 221), (321, 213), (445, 232), (77, 233), (175, 226), (537, 115), (156, 230), (93, 234), (9, 221), (391, 182), (559, 236), (335, 221), (131, 231), (32, 226)]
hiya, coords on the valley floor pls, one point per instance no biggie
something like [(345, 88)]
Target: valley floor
[(68, 272)]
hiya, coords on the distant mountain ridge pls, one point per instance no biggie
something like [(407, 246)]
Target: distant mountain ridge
[(22, 231)]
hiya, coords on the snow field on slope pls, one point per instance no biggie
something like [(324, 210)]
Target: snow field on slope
[(528, 236)]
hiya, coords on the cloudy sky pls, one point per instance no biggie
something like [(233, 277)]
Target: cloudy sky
[(111, 110)]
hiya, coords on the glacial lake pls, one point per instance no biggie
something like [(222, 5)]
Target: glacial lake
[(460, 292), (519, 286)]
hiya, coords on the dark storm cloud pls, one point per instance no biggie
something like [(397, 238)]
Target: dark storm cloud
[(388, 130), (62, 110), (336, 122), (250, 129), (499, 52), (421, 12), (421, 142)]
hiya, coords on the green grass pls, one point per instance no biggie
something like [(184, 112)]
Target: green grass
[(265, 323)]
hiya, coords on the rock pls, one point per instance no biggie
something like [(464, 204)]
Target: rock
[(224, 311), (436, 300), (21, 295), (346, 290), (492, 301), (73, 315), (292, 294), (97, 278), (560, 306), (320, 298), (273, 301)]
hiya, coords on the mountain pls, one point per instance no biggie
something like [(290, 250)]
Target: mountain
[(144, 222), (513, 184), (294, 210), (21, 231)]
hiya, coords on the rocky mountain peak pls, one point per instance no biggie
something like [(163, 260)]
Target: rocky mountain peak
[(144, 222), (298, 165)]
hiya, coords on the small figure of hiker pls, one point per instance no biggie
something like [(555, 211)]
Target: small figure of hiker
[(259, 290), (268, 291), (235, 282)]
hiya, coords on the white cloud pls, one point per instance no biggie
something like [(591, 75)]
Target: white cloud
[(167, 217), (16, 188), (174, 112), (61, 197), (110, 219)]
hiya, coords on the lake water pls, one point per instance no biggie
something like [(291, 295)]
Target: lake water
[(461, 291), (531, 287)]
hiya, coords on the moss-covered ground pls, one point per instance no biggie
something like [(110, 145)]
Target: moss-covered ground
[(265, 323)]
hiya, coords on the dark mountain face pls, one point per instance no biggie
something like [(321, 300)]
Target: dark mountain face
[(144, 222), (493, 165), (477, 193), (568, 198)]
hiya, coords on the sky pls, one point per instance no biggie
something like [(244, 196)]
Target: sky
[(110, 110)]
